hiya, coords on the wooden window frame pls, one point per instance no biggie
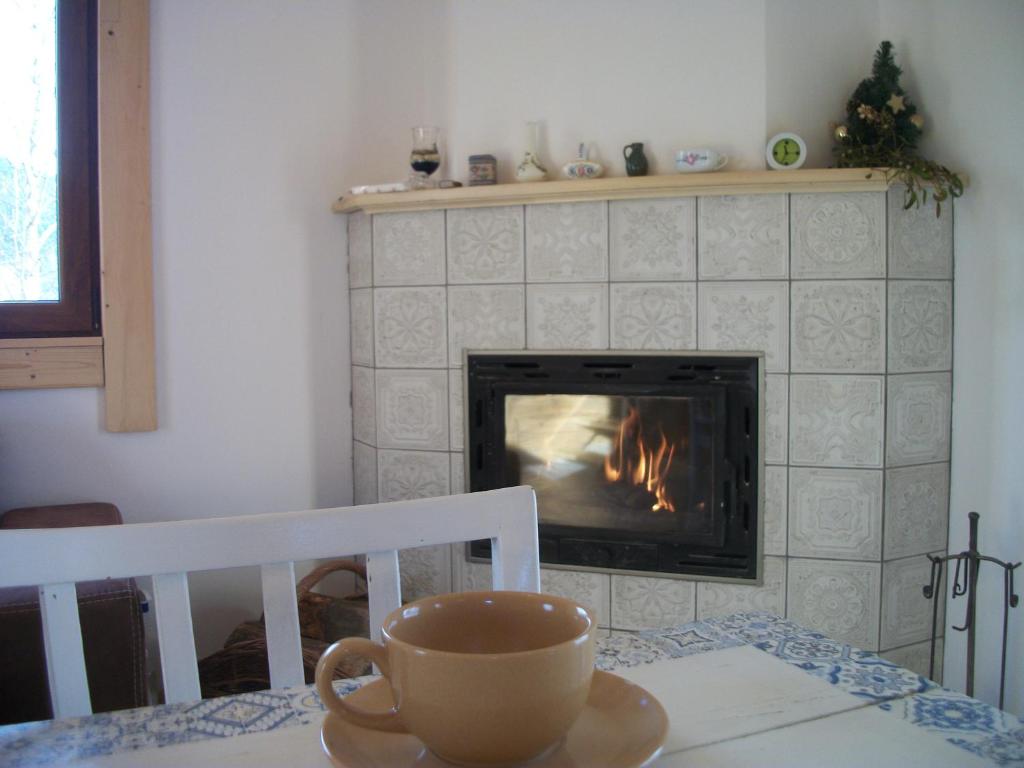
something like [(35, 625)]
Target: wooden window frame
[(122, 361)]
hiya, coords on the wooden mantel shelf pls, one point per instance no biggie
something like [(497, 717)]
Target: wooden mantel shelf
[(621, 188)]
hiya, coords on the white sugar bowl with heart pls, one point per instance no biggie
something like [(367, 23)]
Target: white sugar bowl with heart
[(700, 160)]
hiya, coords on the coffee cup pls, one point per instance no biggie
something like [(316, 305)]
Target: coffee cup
[(481, 678), (697, 160)]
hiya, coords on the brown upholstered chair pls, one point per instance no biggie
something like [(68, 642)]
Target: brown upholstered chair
[(112, 633)]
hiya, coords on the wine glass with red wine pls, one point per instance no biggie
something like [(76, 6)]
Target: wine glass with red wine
[(425, 158)]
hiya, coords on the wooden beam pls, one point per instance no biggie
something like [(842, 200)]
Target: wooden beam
[(46, 365), (622, 188), (126, 241)]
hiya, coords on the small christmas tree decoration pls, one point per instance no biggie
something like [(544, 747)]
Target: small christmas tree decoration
[(881, 131)]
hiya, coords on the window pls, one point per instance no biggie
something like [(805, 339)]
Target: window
[(49, 244)]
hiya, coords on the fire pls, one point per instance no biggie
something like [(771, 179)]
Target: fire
[(636, 462)]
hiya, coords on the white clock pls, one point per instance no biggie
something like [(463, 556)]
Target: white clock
[(785, 152)]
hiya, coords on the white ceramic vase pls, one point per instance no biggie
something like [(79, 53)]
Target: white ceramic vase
[(530, 167)]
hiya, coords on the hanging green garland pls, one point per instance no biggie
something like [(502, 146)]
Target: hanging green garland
[(882, 130)]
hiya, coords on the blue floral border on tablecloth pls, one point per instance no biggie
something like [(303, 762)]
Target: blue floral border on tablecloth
[(968, 723)]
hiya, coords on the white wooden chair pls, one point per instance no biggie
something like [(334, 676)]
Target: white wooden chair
[(57, 558)]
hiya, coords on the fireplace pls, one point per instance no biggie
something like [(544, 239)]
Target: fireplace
[(849, 296), (644, 463)]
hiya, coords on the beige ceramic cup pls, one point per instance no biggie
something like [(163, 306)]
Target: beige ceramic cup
[(481, 678)]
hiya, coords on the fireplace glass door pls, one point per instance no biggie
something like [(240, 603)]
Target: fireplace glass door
[(640, 463), (630, 464)]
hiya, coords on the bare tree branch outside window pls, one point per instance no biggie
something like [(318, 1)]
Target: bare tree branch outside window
[(29, 233)]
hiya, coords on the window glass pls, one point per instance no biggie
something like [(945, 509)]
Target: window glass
[(29, 231)]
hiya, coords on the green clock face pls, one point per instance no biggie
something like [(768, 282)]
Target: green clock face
[(786, 152)]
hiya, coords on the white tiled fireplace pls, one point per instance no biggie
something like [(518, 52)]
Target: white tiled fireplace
[(848, 295)]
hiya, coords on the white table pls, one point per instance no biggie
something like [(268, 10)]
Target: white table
[(745, 690)]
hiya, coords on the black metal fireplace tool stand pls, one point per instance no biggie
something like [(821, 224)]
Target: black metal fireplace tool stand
[(965, 581)]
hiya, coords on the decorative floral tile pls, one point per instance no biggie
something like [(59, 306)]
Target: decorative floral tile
[(677, 642), (620, 651), (654, 316), (839, 326), (360, 257), (836, 420), (472, 577), (647, 603), (743, 237), (412, 409), (567, 316), (652, 239), (746, 317), (860, 673), (361, 314), (775, 510), (425, 571), (906, 612), (408, 248), (763, 629), (718, 599), (838, 235), (591, 590), (364, 474), (776, 418), (458, 464), (917, 658), (835, 513), (456, 409), (412, 475), (918, 419), (916, 510), (485, 245), (484, 317), (968, 723), (920, 326), (410, 327), (920, 244), (837, 598), (364, 408), (567, 242)]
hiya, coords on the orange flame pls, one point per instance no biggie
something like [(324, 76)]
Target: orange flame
[(640, 464)]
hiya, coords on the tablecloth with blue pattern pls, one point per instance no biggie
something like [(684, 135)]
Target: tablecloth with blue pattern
[(965, 722)]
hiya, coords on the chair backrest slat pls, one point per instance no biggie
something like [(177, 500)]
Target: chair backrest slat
[(65, 660), (513, 551), (280, 611), (508, 517), (177, 641), (385, 587)]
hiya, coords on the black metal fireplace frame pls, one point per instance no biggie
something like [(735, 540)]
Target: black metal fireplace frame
[(735, 377)]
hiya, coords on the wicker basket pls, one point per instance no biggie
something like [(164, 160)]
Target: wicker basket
[(241, 665)]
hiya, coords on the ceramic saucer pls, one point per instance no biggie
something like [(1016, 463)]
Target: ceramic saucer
[(622, 726)]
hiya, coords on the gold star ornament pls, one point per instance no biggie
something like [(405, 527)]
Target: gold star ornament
[(917, 121), (895, 103)]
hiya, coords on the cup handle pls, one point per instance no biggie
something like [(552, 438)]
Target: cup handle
[(722, 160), (379, 721), (627, 151)]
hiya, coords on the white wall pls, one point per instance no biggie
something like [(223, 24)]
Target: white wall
[(250, 109), (669, 74), (816, 54), (963, 64)]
